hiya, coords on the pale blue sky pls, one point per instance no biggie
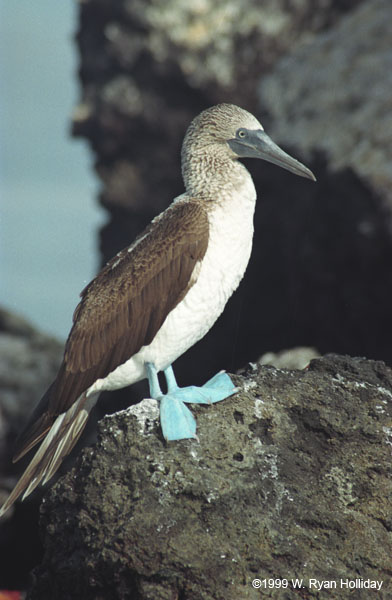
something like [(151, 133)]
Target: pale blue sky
[(48, 213)]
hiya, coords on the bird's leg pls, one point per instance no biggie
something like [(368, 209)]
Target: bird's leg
[(217, 388), (153, 381), (177, 421)]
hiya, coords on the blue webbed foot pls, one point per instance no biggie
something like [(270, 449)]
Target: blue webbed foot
[(177, 421), (214, 390)]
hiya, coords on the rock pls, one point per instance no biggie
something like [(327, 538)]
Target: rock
[(329, 99), (331, 96), (147, 68), (291, 479), (200, 46), (29, 361), (295, 358)]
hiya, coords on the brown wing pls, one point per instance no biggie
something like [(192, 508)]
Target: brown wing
[(122, 309)]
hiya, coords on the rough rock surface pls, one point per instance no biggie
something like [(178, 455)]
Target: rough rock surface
[(291, 479), (332, 95), (147, 67), (29, 361)]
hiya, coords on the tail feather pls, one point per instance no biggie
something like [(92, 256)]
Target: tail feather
[(66, 444), (36, 428), (59, 441)]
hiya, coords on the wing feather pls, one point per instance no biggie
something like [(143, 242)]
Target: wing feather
[(122, 309)]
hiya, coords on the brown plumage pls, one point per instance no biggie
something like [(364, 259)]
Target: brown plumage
[(147, 285)]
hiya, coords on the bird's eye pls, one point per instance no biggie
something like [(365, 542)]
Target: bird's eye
[(241, 133)]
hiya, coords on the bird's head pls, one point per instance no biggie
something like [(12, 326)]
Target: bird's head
[(229, 130)]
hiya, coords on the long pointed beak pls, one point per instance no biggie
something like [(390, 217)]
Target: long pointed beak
[(258, 144), (269, 151)]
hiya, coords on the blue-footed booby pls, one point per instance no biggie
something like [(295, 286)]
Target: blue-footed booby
[(159, 296)]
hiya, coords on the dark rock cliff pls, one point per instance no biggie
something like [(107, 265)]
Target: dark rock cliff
[(291, 479), (329, 98), (29, 361)]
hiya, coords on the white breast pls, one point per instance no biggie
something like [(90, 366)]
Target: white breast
[(218, 275)]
